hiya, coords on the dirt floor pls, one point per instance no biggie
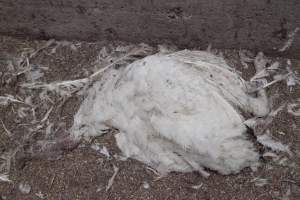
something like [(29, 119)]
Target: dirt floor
[(84, 171)]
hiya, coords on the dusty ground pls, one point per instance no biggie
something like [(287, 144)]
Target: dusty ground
[(84, 173)]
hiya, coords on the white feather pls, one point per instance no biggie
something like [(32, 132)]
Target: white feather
[(4, 178)]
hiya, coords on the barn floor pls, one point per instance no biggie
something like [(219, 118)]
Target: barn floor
[(84, 172)]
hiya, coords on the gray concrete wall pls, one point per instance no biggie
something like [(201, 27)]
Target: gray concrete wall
[(252, 24)]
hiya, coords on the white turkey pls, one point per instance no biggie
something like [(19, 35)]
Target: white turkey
[(183, 111)]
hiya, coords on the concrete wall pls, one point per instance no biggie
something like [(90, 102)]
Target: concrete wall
[(253, 24)]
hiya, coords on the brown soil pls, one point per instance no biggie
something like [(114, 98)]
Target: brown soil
[(83, 173)]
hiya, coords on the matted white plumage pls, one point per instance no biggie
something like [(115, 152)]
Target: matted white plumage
[(182, 111)]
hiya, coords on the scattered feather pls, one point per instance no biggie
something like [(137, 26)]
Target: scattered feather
[(275, 112), (271, 155), (6, 160), (40, 195), (47, 114), (260, 125), (154, 171), (260, 182), (120, 157), (260, 77), (66, 88), (292, 80), (111, 180), (140, 50), (46, 45), (5, 100), (281, 133), (49, 129), (104, 151), (8, 133), (197, 187), (4, 178), (267, 141), (277, 79), (99, 188), (25, 188), (63, 88), (262, 74), (274, 66), (22, 112), (146, 185), (96, 147), (291, 38), (265, 71)]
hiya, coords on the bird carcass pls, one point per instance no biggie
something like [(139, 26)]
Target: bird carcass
[(183, 111)]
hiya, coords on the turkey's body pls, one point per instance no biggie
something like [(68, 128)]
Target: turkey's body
[(176, 112)]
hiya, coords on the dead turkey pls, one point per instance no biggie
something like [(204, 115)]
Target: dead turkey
[(183, 111)]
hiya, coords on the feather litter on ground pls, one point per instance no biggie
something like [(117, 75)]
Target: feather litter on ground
[(197, 187), (272, 155), (103, 150), (266, 72), (146, 185), (260, 182), (267, 141), (6, 100), (4, 178), (289, 42), (24, 188), (273, 71), (46, 116), (8, 133), (66, 88), (40, 195), (111, 180), (44, 46)]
